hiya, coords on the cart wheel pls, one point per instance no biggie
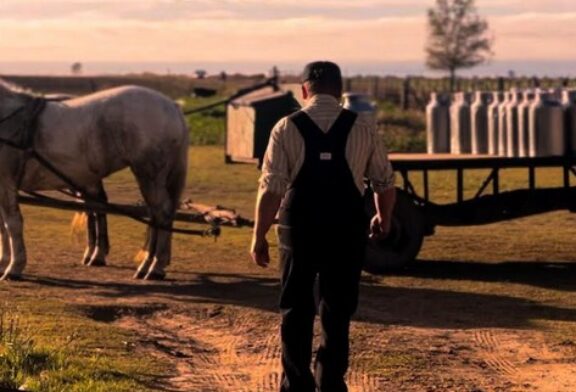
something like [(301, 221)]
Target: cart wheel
[(405, 239)]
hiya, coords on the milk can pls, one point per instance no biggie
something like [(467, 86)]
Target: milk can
[(437, 125), (512, 123), (569, 95), (460, 135), (523, 129), (569, 106), (497, 98), (479, 122), (546, 133), (502, 125), (361, 104)]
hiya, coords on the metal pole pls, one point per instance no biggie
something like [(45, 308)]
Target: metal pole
[(496, 181), (426, 185), (460, 184), (532, 177)]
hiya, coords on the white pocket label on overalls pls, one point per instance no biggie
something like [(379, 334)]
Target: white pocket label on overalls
[(325, 156)]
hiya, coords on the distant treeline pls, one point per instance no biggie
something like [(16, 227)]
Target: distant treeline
[(408, 92), (175, 86)]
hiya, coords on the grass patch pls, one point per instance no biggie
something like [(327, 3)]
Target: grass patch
[(40, 353), (206, 127), (401, 131), (386, 363), (21, 360)]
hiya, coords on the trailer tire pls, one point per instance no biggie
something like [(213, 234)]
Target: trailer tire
[(401, 247)]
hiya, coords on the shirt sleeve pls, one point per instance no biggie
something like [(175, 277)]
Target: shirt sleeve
[(275, 168), (379, 170)]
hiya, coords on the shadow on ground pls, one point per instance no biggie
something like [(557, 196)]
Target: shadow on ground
[(550, 275), (380, 304)]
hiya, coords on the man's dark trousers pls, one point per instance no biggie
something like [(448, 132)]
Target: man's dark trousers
[(322, 235)]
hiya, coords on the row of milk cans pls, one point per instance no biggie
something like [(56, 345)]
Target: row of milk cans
[(527, 123)]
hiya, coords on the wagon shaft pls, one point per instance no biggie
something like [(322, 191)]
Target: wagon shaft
[(192, 213)]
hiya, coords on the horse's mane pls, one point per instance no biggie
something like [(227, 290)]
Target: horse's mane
[(10, 89)]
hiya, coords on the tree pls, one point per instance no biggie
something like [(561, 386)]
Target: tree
[(76, 68), (458, 37)]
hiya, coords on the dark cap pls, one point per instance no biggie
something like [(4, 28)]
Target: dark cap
[(321, 71)]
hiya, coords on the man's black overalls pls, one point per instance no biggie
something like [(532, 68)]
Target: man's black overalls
[(322, 234)]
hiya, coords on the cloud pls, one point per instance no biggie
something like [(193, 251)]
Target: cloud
[(246, 30), (184, 10)]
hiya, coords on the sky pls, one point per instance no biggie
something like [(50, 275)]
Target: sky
[(285, 32)]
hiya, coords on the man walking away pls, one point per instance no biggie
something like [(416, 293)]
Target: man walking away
[(313, 172)]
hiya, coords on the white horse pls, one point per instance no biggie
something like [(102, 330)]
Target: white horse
[(87, 139)]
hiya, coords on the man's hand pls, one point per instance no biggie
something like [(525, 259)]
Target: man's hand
[(267, 205), (259, 252), (379, 228)]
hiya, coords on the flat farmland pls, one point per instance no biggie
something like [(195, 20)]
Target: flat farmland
[(486, 308)]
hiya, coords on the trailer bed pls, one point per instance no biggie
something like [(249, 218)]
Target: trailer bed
[(421, 161)]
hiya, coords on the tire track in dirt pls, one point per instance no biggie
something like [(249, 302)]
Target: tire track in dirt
[(525, 359), (360, 377), (269, 371), (489, 342), (237, 352)]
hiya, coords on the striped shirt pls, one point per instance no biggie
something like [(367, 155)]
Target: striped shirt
[(284, 157)]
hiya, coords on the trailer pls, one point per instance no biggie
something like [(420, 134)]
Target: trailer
[(415, 215)]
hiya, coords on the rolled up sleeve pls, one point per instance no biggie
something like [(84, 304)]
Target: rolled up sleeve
[(379, 169), (275, 169)]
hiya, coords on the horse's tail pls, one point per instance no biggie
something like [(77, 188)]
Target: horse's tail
[(78, 225)]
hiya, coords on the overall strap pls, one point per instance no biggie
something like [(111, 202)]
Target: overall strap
[(314, 137), (343, 124), (306, 126)]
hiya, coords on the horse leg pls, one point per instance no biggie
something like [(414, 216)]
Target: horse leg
[(4, 245), (161, 209), (149, 249), (14, 224), (163, 216), (99, 230), (90, 238)]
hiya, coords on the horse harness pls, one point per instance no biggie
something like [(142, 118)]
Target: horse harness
[(35, 108), (26, 145)]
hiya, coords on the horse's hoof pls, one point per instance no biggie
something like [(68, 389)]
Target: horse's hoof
[(11, 277), (155, 276), (139, 275), (97, 263), (86, 261)]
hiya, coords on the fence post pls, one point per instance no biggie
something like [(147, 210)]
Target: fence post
[(404, 96), (348, 84), (375, 87), (501, 86)]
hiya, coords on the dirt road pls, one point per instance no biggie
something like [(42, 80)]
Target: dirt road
[(219, 332)]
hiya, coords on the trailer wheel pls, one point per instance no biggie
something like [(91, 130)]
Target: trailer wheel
[(404, 242)]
